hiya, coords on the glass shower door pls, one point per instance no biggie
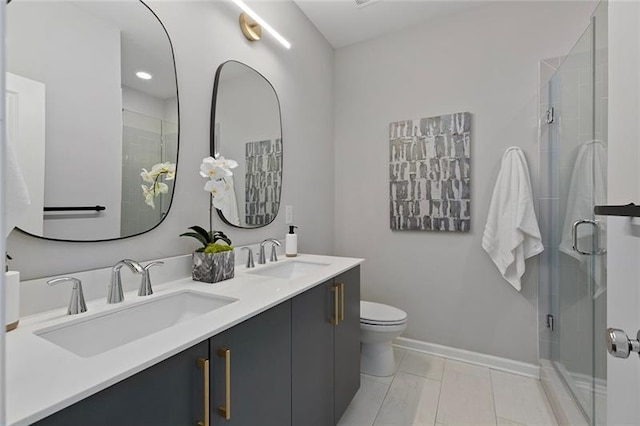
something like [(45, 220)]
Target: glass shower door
[(578, 277)]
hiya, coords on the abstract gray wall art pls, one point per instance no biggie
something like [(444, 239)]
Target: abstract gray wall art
[(262, 181), (429, 173)]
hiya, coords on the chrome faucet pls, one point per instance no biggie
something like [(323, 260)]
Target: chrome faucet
[(274, 256), (77, 304), (250, 263), (145, 284), (116, 295), (262, 259)]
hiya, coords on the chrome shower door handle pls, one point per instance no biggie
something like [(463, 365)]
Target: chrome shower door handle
[(574, 237)]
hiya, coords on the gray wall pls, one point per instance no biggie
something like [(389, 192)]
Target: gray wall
[(483, 60), (205, 34)]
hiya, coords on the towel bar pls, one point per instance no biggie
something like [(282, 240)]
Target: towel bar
[(629, 210), (74, 209)]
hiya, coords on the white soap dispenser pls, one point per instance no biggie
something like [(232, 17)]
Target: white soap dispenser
[(291, 242)]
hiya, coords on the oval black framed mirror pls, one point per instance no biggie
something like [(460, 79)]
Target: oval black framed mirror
[(93, 117), (246, 126)]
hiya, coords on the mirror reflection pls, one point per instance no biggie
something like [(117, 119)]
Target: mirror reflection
[(246, 127), (91, 102)]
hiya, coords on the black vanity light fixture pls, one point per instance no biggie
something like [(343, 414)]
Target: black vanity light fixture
[(251, 25)]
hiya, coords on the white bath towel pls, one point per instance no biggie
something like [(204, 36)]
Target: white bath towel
[(230, 207), (17, 194), (587, 188), (511, 234)]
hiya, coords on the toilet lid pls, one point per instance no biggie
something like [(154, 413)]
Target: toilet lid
[(378, 313)]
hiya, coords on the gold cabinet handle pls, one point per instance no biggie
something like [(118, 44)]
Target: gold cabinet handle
[(225, 411), (204, 364), (341, 317), (336, 313)]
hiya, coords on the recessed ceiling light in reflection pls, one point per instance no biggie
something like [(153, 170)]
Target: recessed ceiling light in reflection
[(144, 75)]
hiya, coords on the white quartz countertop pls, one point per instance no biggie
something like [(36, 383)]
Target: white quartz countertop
[(42, 378)]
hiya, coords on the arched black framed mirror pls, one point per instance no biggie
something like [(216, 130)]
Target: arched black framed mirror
[(92, 101), (246, 126)]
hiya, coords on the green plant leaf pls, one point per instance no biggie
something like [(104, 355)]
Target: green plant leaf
[(219, 235), (197, 236), (200, 230)]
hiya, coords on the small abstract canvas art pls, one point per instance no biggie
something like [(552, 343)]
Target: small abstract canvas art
[(429, 173)]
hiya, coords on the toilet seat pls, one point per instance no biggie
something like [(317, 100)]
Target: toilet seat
[(379, 314)]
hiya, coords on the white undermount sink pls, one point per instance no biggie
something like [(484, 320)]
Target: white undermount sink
[(289, 270), (96, 334)]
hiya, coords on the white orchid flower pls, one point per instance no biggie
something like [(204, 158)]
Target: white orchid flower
[(148, 196), (163, 168), (217, 169), (218, 189), (146, 176), (170, 171), (156, 169), (167, 169), (161, 188), (225, 163), (208, 169)]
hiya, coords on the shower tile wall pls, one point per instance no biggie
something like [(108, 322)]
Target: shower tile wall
[(141, 149), (146, 141)]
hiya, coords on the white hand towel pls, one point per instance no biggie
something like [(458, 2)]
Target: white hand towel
[(511, 234), (587, 188), (17, 194)]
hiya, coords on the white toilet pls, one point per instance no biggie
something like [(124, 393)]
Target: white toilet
[(379, 325)]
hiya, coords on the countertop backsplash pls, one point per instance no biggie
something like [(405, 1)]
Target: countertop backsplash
[(36, 296)]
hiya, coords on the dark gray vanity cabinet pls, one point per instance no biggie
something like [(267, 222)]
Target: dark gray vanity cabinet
[(169, 393), (251, 371), (326, 350), (347, 343), (312, 360), (297, 363)]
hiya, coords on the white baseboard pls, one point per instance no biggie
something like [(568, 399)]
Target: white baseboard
[(484, 360)]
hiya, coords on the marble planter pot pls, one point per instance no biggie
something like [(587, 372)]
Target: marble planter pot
[(211, 268)]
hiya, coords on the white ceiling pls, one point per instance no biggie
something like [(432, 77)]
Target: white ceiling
[(144, 45), (343, 23)]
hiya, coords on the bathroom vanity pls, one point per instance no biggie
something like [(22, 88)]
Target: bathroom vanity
[(282, 349)]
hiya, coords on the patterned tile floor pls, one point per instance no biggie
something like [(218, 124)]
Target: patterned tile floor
[(428, 390)]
